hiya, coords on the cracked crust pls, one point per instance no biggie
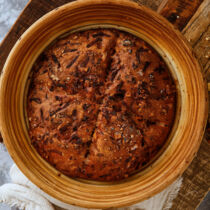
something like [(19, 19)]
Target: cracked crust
[(100, 105)]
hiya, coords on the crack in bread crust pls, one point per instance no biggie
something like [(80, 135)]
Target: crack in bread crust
[(101, 104)]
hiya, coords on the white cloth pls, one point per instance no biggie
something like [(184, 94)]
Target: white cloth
[(25, 195)]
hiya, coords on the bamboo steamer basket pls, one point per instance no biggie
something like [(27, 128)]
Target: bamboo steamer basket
[(191, 114)]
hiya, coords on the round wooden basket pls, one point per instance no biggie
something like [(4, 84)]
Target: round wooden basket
[(185, 136)]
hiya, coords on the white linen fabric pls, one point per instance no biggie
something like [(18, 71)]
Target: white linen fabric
[(25, 195)]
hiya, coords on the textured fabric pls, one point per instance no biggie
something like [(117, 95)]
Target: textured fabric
[(23, 197), (24, 194)]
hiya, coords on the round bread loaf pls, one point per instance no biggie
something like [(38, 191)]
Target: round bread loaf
[(100, 105)]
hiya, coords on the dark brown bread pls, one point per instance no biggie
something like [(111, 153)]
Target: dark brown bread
[(100, 105)]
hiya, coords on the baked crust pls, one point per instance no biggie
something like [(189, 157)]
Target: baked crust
[(100, 105)]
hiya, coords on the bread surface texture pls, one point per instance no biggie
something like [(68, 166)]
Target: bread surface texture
[(100, 105)]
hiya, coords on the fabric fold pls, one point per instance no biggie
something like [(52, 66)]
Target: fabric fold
[(25, 195)]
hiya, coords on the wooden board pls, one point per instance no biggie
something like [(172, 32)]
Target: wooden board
[(195, 27), (196, 180), (178, 12), (198, 24)]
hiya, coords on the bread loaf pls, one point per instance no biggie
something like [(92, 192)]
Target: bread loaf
[(101, 104)]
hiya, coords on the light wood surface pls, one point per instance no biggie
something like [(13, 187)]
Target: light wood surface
[(186, 199), (198, 23)]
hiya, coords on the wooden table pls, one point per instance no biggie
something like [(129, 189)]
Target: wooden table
[(192, 17)]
